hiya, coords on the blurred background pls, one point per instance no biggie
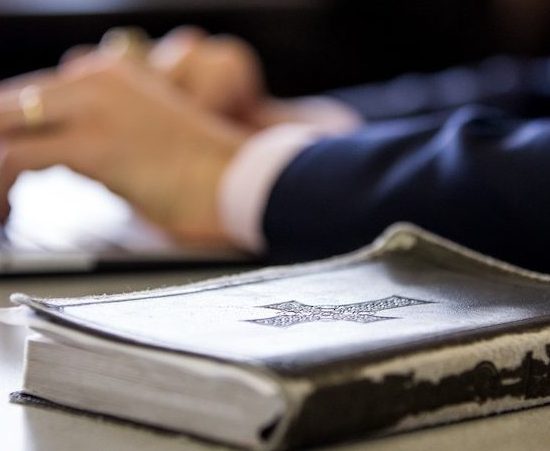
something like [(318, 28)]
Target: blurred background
[(306, 45)]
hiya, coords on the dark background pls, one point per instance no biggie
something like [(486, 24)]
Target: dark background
[(306, 45)]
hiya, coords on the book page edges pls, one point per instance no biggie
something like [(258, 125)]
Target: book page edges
[(290, 393)]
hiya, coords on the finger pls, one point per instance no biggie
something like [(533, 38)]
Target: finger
[(76, 52), (42, 77), (170, 55), (125, 42), (228, 81), (57, 99), (31, 153)]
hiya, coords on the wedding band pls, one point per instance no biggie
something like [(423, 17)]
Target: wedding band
[(32, 107)]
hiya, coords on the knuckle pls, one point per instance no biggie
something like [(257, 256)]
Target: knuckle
[(73, 54), (100, 87), (112, 68), (233, 45), (103, 78), (106, 75), (185, 32)]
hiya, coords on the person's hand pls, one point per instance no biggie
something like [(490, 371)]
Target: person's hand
[(222, 73), (119, 123)]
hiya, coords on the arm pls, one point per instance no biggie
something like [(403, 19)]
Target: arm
[(338, 193), (167, 149), (499, 81), (474, 176)]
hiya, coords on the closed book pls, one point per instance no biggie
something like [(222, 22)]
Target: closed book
[(408, 332)]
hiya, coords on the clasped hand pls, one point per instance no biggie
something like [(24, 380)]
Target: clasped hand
[(158, 132)]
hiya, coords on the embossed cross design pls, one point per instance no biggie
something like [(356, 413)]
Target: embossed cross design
[(293, 312)]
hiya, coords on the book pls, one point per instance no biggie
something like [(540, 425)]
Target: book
[(408, 332)]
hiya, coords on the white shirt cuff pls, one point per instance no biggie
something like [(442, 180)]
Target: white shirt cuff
[(249, 179)]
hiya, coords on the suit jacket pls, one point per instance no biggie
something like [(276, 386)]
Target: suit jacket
[(464, 153)]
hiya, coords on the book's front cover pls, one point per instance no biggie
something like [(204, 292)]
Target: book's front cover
[(409, 291)]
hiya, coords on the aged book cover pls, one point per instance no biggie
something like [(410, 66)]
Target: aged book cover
[(409, 332)]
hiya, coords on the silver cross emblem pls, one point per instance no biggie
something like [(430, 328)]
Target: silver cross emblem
[(293, 312)]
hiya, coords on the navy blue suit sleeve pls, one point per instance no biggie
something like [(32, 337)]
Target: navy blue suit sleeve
[(504, 82), (477, 176)]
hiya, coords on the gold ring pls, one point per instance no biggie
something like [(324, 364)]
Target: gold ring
[(32, 107), (125, 42)]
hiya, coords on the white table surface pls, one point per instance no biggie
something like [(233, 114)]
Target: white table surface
[(31, 428)]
